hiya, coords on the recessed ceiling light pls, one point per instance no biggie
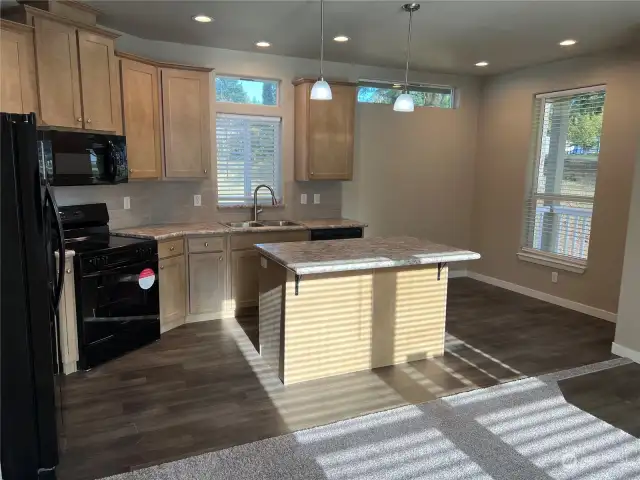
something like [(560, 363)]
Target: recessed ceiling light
[(202, 18), (568, 42), (263, 44), (341, 38), (482, 64)]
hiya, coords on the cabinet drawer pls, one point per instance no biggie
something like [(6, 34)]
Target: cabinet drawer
[(206, 244), (169, 248), (248, 240)]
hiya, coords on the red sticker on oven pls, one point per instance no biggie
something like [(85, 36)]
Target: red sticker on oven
[(146, 279)]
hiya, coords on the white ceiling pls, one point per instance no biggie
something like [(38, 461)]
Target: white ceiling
[(449, 36)]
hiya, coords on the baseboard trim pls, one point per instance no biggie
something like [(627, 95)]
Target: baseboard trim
[(545, 297), (621, 351)]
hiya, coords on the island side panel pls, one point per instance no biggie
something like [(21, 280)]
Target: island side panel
[(409, 313), (328, 325), (273, 281)]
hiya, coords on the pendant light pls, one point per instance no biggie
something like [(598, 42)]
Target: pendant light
[(404, 102), (321, 89)]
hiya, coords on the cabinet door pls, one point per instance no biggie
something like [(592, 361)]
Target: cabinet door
[(58, 74), (99, 81), (331, 127), (17, 70), (206, 282), (185, 111), (245, 268), (141, 118), (172, 293)]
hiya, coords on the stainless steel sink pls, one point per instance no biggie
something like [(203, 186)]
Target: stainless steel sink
[(243, 224), (279, 223)]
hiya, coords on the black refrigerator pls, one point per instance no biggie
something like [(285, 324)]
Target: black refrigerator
[(31, 282)]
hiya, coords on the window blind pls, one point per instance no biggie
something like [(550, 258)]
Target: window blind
[(248, 155), (566, 129)]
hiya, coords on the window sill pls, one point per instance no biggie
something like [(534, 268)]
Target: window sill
[(551, 261), (242, 205)]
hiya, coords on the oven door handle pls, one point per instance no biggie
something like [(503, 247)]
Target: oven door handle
[(121, 266)]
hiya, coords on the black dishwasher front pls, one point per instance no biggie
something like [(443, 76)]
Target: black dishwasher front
[(336, 233)]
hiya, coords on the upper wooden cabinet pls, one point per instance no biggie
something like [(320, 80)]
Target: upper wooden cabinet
[(18, 93), (141, 117), (324, 131), (186, 122)]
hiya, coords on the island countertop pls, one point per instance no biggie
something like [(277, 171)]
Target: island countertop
[(304, 258)]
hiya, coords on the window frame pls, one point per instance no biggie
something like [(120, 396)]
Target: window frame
[(277, 81), (278, 167), (413, 86), (530, 254)]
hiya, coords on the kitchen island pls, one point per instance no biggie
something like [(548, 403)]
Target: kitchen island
[(340, 306)]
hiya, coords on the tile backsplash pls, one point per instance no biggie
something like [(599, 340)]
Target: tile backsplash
[(156, 202)]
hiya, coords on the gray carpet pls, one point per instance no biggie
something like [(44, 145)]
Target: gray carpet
[(519, 430)]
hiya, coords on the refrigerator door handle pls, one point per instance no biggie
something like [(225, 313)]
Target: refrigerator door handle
[(57, 294)]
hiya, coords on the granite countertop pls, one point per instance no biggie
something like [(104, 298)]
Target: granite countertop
[(164, 232), (329, 256), (331, 223)]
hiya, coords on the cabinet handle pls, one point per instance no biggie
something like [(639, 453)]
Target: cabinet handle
[(161, 267), (206, 244), (88, 120), (220, 258), (131, 170), (172, 248), (205, 170), (311, 173), (68, 270), (79, 119)]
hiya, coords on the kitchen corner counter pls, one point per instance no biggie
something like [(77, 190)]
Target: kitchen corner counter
[(331, 223), (304, 258), (164, 232)]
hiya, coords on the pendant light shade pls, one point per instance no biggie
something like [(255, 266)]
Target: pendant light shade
[(321, 89), (404, 102)]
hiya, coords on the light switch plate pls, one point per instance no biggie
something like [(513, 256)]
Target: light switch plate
[(303, 198), (197, 200), (316, 198), (263, 262), (554, 277), (127, 203)]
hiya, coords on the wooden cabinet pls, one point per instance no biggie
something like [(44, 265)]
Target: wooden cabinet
[(77, 74), (172, 292), (99, 81), (18, 93), (186, 122), (141, 116), (207, 275), (324, 132), (68, 329), (245, 268)]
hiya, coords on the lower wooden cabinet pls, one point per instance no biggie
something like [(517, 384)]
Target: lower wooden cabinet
[(245, 268), (172, 293), (207, 281)]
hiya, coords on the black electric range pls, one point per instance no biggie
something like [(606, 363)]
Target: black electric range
[(116, 286)]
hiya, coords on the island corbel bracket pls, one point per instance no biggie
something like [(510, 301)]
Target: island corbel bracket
[(441, 265), (297, 280)]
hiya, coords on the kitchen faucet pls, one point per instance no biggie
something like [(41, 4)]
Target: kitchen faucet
[(257, 210)]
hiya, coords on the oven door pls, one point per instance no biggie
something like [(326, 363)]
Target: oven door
[(118, 311)]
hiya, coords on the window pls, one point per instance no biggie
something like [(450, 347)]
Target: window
[(246, 90), (559, 203), (423, 95), (248, 155)]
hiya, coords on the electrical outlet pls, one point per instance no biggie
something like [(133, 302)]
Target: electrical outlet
[(303, 199), (197, 200), (554, 277), (316, 198), (127, 203)]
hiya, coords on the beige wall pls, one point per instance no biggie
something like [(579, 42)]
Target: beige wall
[(628, 327), (155, 202), (504, 130), (414, 172)]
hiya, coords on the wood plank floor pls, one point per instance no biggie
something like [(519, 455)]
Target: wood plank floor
[(203, 386)]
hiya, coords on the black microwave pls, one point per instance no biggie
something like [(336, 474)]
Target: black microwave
[(80, 158)]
